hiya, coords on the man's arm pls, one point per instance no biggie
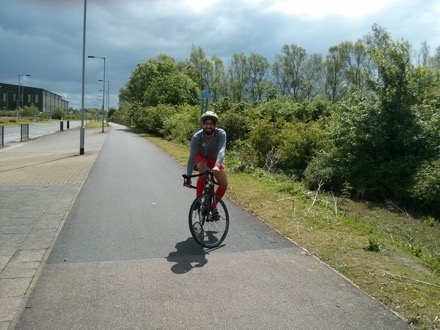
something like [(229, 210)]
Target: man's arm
[(221, 148), (192, 156)]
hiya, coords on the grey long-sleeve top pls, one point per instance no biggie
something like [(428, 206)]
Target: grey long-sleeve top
[(208, 145)]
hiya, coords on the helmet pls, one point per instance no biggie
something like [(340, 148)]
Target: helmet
[(209, 115)]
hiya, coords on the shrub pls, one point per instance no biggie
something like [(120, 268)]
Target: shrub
[(263, 137), (299, 141), (322, 169), (426, 188), (180, 126), (152, 119), (235, 125)]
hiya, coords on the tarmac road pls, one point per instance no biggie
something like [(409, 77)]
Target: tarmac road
[(124, 259), (13, 133)]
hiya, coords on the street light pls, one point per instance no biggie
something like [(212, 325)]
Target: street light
[(103, 90), (19, 88), (81, 136), (108, 94)]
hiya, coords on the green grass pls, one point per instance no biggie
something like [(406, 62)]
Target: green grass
[(91, 124), (388, 254)]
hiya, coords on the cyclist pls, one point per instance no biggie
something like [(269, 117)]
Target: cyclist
[(207, 151)]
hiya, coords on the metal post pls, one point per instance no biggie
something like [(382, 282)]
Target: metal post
[(103, 89), (81, 139), (103, 98), (108, 96)]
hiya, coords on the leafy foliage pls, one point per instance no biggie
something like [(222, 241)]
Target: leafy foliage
[(161, 81), (181, 125), (362, 117)]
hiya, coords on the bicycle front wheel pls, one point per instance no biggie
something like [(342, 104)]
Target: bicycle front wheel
[(208, 220)]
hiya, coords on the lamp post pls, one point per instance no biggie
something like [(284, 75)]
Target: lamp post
[(108, 96), (19, 89), (103, 90), (81, 136)]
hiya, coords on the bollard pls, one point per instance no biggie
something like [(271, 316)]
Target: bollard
[(68, 124), (24, 132), (61, 125)]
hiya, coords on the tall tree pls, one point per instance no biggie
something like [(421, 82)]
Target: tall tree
[(391, 131), (334, 71), (312, 77), (203, 67), (238, 77), (160, 81), (423, 56), (435, 59), (287, 70), (258, 82), (219, 84), (357, 66)]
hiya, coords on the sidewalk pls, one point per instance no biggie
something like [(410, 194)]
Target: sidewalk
[(39, 181)]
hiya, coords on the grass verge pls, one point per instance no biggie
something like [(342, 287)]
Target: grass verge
[(387, 253)]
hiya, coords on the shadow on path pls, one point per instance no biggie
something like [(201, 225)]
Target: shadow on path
[(187, 256)]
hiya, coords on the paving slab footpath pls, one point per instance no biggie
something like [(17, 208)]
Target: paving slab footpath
[(39, 181)]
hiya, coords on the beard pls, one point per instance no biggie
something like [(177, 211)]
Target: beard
[(209, 131)]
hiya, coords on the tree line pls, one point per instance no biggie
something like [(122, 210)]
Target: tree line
[(363, 121)]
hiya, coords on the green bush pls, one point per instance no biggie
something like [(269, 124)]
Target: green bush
[(426, 188), (235, 125), (241, 157), (152, 119), (322, 169), (299, 142), (31, 111), (57, 114), (180, 126), (264, 139)]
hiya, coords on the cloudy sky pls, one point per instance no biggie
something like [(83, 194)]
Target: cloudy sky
[(44, 38)]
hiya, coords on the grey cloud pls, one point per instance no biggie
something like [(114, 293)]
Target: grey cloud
[(44, 37)]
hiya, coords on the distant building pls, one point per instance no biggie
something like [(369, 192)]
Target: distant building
[(44, 100)]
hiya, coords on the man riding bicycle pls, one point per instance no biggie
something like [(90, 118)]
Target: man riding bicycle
[(208, 147)]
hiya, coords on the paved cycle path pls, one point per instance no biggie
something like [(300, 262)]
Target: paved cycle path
[(124, 259)]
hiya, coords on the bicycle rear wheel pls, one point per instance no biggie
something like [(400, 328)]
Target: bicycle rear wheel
[(208, 220)]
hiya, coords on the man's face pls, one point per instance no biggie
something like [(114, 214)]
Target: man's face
[(208, 127)]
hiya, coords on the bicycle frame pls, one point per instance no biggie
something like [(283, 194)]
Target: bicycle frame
[(208, 215)]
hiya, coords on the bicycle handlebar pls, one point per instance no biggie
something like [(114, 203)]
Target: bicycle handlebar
[(207, 172), (185, 177)]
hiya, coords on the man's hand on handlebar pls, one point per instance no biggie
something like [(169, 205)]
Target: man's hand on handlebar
[(187, 182)]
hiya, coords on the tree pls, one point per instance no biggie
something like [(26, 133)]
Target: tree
[(161, 81), (238, 77), (288, 70), (312, 77), (435, 60), (203, 67), (334, 68), (258, 82), (219, 84), (377, 134), (423, 58), (357, 66)]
